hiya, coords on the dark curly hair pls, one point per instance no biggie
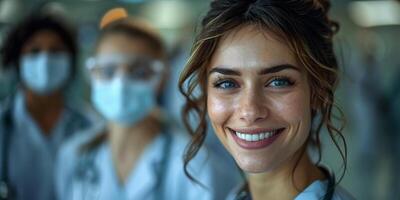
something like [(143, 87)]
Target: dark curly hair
[(305, 25), (29, 26)]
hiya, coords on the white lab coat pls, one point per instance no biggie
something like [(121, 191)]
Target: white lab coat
[(315, 191), (32, 154), (144, 182)]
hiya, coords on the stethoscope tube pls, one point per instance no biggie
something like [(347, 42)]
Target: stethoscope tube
[(244, 193), (6, 191)]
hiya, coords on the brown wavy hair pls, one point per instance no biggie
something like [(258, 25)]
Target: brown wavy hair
[(308, 31)]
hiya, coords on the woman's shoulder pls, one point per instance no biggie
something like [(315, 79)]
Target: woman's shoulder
[(72, 147), (83, 115), (70, 160), (72, 150), (6, 106)]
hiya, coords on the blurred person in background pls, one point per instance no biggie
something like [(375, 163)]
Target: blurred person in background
[(395, 117), (374, 110), (368, 112), (136, 156), (37, 118), (394, 109), (394, 145), (267, 74)]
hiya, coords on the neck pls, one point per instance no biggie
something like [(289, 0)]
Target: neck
[(128, 143), (284, 183), (42, 103), (45, 110)]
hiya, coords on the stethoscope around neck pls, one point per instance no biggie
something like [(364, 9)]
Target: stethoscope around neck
[(7, 192), (244, 193), (88, 173)]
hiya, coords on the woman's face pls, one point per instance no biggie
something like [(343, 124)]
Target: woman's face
[(125, 77), (138, 49), (258, 100)]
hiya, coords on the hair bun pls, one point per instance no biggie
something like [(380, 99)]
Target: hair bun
[(113, 15), (325, 5)]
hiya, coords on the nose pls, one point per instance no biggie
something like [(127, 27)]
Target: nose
[(122, 71), (252, 107)]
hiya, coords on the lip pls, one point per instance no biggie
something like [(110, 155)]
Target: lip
[(255, 144), (254, 130)]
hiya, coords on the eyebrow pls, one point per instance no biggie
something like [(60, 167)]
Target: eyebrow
[(224, 71), (269, 70), (278, 68)]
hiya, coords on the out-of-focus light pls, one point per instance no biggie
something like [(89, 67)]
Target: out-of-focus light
[(132, 1), (56, 8), (375, 13), (8, 10), (168, 14)]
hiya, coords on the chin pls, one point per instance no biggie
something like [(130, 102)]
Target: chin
[(253, 164), (253, 169)]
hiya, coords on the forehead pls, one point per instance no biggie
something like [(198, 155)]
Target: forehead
[(250, 46), (123, 44), (45, 37)]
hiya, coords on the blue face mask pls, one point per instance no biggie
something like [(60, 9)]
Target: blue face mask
[(44, 73), (123, 100)]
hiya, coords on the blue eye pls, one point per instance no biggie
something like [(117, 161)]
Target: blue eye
[(227, 84), (280, 82)]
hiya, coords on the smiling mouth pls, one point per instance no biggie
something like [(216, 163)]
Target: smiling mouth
[(256, 138)]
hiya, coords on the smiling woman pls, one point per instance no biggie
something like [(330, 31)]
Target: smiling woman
[(257, 98), (267, 73)]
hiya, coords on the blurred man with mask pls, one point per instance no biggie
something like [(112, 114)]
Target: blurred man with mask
[(37, 118)]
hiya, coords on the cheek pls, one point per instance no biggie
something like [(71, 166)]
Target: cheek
[(294, 107), (219, 111), (218, 108), (295, 110)]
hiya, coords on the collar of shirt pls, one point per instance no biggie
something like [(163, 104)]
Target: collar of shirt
[(314, 191), (143, 179), (24, 124)]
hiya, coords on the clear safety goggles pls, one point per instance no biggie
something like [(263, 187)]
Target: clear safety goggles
[(133, 67)]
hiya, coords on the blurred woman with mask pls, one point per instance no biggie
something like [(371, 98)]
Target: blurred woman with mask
[(37, 119), (135, 156)]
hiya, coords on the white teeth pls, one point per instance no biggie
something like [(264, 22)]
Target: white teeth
[(255, 137), (247, 137)]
